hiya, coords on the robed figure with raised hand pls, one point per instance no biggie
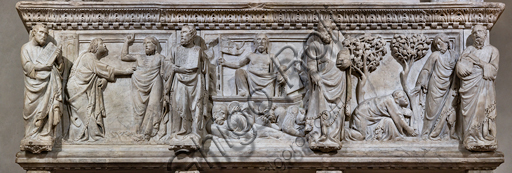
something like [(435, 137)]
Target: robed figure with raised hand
[(147, 87)]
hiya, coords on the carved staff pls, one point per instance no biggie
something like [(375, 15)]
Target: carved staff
[(226, 47)]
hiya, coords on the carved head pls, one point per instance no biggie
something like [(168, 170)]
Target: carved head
[(400, 98), (297, 113), (279, 112), (98, 47), (219, 113), (234, 107), (343, 59), (151, 45), (479, 34), (261, 43), (441, 43), (187, 35), (39, 33), (324, 28), (294, 110)]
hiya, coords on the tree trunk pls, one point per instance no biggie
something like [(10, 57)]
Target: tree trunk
[(359, 90)]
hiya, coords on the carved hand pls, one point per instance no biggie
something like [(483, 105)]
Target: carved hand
[(416, 90), (129, 71), (188, 70), (42, 67), (102, 83), (130, 39), (59, 51), (221, 61), (182, 70), (347, 111), (165, 102), (315, 78), (465, 63)]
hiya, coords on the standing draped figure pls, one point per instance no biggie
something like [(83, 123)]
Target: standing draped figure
[(85, 86), (188, 90), (42, 66), (327, 92), (437, 85), (147, 87), (477, 68)]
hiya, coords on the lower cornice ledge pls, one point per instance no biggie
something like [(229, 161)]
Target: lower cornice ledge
[(161, 158)]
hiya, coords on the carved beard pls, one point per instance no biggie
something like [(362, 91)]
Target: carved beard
[(261, 48), (442, 50), (325, 36), (479, 42), (40, 41), (326, 39), (220, 121), (103, 52), (186, 40), (150, 51)]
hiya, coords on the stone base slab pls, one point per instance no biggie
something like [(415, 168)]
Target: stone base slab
[(354, 155)]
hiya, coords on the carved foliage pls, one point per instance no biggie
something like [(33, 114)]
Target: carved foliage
[(366, 51), (409, 48)]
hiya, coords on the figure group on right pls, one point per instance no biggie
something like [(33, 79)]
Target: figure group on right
[(466, 82), (477, 69), (448, 85)]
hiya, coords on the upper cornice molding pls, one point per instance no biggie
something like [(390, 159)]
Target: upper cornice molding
[(227, 16)]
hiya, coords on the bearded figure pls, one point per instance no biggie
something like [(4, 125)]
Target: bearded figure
[(87, 80), (188, 90), (327, 90), (43, 66), (147, 87), (477, 69)]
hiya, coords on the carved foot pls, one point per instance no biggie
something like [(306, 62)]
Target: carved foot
[(477, 147), (480, 171), (322, 138), (182, 132), (36, 146), (327, 146), (141, 137), (189, 147), (39, 171), (188, 142), (242, 93)]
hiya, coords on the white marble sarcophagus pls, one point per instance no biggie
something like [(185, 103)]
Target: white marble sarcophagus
[(259, 86)]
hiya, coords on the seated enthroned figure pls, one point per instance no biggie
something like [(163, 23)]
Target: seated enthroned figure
[(259, 78)]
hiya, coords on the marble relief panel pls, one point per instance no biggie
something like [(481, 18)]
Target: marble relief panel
[(119, 120), (289, 82), (289, 45)]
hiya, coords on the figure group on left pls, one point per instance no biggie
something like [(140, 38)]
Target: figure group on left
[(153, 77)]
